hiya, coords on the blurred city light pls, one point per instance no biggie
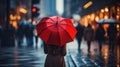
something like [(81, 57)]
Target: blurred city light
[(106, 9), (12, 17), (22, 10), (117, 17), (76, 17), (96, 18), (88, 16), (18, 17), (60, 6), (102, 10), (14, 23), (92, 16), (88, 4), (106, 17)]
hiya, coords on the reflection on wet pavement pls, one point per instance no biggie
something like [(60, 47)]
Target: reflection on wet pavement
[(95, 58), (21, 57)]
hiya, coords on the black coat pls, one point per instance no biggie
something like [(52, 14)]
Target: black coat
[(112, 32), (100, 32), (80, 30)]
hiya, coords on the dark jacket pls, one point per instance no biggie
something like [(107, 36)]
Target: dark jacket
[(89, 34), (80, 30), (112, 32), (55, 56), (100, 32)]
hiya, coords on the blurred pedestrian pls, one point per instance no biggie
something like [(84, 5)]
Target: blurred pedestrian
[(112, 33), (55, 55), (99, 36), (35, 35), (29, 33), (25, 28), (89, 36), (79, 35), (20, 32)]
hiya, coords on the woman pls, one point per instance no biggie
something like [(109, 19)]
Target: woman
[(55, 55)]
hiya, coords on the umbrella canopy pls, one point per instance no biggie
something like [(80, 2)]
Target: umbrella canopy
[(56, 30), (107, 21)]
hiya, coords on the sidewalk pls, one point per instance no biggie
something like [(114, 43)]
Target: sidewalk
[(94, 59)]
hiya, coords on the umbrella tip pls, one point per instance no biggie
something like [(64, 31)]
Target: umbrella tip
[(56, 22)]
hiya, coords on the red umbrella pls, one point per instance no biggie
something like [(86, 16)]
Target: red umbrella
[(56, 30)]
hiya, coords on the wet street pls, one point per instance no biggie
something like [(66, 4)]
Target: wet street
[(35, 57)]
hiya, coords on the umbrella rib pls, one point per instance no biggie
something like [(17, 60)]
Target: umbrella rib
[(44, 29), (49, 36), (52, 20), (65, 31)]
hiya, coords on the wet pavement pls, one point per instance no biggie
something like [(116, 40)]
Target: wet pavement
[(106, 58), (35, 57), (21, 57)]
